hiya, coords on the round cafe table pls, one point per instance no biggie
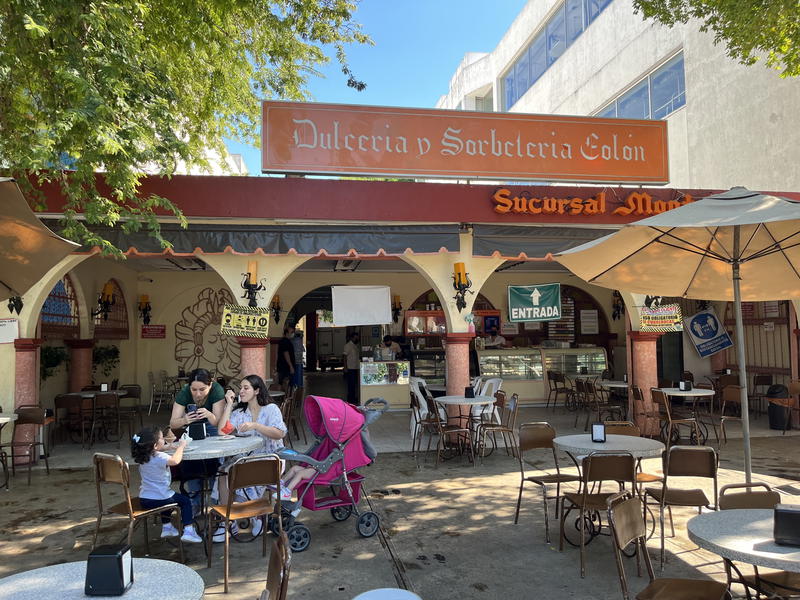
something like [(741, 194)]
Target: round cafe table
[(743, 535), (613, 385), (582, 444), (388, 594), (152, 578), (220, 446)]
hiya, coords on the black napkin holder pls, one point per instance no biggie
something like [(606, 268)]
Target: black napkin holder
[(109, 570), (469, 392), (786, 529), (685, 386), (197, 431)]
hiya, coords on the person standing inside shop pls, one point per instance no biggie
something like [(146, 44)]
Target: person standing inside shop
[(299, 349), (285, 363), (352, 358), (494, 340)]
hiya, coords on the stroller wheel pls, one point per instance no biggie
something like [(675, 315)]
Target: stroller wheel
[(368, 524), (299, 537), (341, 513)]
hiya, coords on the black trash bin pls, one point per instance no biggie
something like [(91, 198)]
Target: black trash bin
[(777, 413)]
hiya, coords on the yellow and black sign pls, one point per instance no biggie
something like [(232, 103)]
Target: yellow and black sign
[(663, 319), (245, 321)]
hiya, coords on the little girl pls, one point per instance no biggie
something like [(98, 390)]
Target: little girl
[(147, 450)]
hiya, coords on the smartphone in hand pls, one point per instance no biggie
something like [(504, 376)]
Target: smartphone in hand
[(190, 408)]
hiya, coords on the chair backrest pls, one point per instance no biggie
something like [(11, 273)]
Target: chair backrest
[(691, 461), (90, 388), (114, 384), (665, 383), (512, 409), (29, 414), (794, 388), (704, 386), (111, 470), (106, 401), (134, 390), (280, 562), (725, 380), (687, 376), (622, 428), (660, 399), (626, 521), (731, 394), (765, 497), (490, 386), (762, 380), (252, 471), (608, 466), (535, 435)]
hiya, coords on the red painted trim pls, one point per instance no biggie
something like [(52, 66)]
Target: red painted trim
[(458, 338), (294, 198), (250, 342), (644, 336), (27, 344), (75, 344)]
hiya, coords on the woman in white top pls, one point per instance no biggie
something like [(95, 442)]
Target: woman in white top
[(254, 414)]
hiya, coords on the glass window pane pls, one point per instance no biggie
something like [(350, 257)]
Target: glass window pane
[(574, 10), (635, 104), (594, 8), (556, 36), (608, 111), (522, 74), (668, 88), (508, 88), (538, 58)]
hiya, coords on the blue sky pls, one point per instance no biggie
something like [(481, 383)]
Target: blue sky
[(418, 45)]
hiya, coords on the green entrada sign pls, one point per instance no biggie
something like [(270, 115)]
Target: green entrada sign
[(534, 302)]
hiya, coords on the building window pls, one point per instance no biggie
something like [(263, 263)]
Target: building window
[(485, 103), (60, 319), (559, 32), (654, 97)]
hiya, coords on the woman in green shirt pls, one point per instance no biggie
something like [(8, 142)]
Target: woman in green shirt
[(207, 395)]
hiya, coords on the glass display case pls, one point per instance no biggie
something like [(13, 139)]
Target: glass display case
[(511, 364), (429, 364), (575, 362)]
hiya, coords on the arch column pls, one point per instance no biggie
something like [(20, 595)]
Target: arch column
[(26, 387), (457, 359), (253, 356), (80, 363)]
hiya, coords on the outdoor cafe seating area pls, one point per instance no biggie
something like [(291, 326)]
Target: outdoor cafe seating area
[(596, 504)]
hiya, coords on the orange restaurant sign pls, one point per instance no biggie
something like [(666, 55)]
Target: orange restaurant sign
[(636, 203), (367, 140)]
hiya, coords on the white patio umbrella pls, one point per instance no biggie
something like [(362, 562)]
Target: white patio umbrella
[(737, 245), (28, 249)]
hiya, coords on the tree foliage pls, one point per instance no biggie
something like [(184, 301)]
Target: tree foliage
[(749, 28), (134, 86)]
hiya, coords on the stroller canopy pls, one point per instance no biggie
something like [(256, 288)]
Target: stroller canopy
[(333, 418)]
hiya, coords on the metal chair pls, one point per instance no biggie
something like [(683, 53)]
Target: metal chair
[(597, 467), (631, 429), (670, 424), (246, 472), (446, 431), (112, 470), (539, 436), (794, 390), (34, 416), (760, 385), (731, 398), (157, 392), (130, 403), (684, 461), (626, 520), (507, 416)]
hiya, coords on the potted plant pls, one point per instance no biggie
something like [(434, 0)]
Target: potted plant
[(105, 359), (51, 358)]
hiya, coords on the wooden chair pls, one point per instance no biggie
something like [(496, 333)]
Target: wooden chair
[(424, 421), (461, 432), (280, 562), (110, 470), (671, 424), (246, 472), (507, 413), (551, 388), (67, 415), (731, 400), (34, 416), (632, 429), (107, 418), (684, 461), (539, 436), (157, 392), (597, 467), (626, 520), (597, 403), (775, 583), (130, 403)]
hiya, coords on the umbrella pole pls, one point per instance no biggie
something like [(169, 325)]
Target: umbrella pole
[(741, 358)]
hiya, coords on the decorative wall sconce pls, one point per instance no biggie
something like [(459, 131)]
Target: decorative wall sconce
[(105, 301), (250, 284), (617, 305), (275, 307), (145, 308), (396, 308), (461, 284), (15, 304)]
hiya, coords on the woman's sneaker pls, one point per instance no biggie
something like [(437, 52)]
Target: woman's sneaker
[(256, 526), (168, 530), (219, 534), (190, 535)]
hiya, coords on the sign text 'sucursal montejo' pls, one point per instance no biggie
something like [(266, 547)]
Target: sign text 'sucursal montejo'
[(636, 203), (330, 138)]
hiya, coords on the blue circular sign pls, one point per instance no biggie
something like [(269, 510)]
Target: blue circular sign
[(704, 326)]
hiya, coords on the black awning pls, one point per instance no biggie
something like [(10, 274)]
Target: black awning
[(534, 242), (279, 239)]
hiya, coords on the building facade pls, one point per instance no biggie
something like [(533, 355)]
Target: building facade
[(729, 124)]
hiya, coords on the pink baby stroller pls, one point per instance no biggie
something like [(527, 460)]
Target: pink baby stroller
[(342, 446)]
